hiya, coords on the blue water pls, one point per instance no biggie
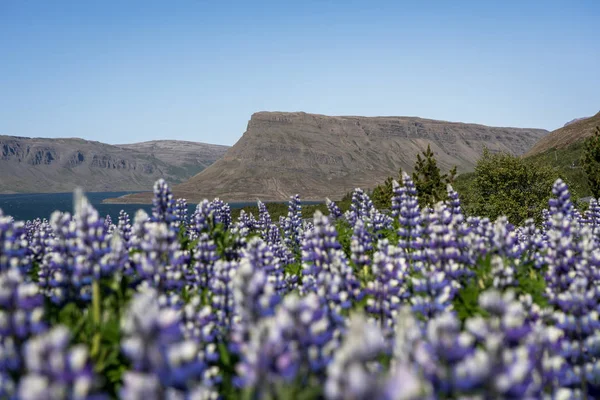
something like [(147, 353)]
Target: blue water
[(41, 205)]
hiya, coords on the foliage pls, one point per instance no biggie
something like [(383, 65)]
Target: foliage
[(507, 185), (591, 162), (430, 182)]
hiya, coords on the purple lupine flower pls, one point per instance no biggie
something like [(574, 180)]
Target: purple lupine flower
[(281, 251), (262, 256), (202, 219), (108, 224), (21, 304), (325, 268), (124, 227), (334, 211), (441, 356), (503, 273), (57, 266), (92, 244), (454, 204), (254, 295), (292, 224), (388, 290), (160, 262), (222, 299), (199, 323), (246, 222), (56, 371), (433, 293), (204, 258), (515, 358), (13, 244), (163, 204), (409, 218), (180, 212), (39, 234), (361, 247), (291, 345), (561, 202), (21, 317), (264, 219), (354, 372), (154, 344), (443, 248), (222, 212)]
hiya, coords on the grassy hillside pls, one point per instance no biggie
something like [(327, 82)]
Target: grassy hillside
[(568, 161)]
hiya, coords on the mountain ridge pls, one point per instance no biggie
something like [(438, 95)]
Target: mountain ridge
[(567, 135), (45, 165), (318, 156)]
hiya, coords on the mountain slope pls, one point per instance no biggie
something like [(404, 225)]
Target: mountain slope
[(185, 158), (58, 165), (317, 156), (567, 135)]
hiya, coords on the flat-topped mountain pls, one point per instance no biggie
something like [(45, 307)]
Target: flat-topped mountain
[(569, 134), (59, 165), (319, 156)]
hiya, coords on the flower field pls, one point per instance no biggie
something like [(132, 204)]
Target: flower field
[(410, 303)]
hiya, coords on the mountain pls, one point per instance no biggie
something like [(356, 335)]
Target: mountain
[(319, 156), (567, 135), (59, 165), (185, 159)]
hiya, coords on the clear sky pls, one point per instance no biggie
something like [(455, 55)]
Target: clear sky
[(122, 71)]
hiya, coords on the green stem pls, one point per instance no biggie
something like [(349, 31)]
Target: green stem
[(96, 317)]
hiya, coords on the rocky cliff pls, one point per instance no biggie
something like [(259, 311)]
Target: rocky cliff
[(319, 156), (59, 165)]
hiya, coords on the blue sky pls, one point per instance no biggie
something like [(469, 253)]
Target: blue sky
[(128, 71)]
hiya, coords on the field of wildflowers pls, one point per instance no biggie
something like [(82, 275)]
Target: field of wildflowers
[(408, 304)]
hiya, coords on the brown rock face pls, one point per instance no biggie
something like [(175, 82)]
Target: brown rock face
[(571, 133), (319, 156), (59, 165)]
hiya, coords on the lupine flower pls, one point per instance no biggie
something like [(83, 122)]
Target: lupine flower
[(222, 212), (108, 224), (325, 268), (334, 211), (160, 261), (503, 273), (292, 225), (202, 219), (163, 204), (388, 290), (39, 234), (124, 227), (361, 246), (264, 219), (162, 360), (406, 204), (291, 345), (21, 317), (181, 211), (205, 256), (354, 372), (221, 288), (55, 371), (13, 244)]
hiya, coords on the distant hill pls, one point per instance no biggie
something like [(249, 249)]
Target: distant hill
[(567, 135), (563, 149), (320, 156), (58, 165)]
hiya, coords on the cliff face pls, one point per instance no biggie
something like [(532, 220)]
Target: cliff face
[(569, 134), (58, 165), (319, 156)]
